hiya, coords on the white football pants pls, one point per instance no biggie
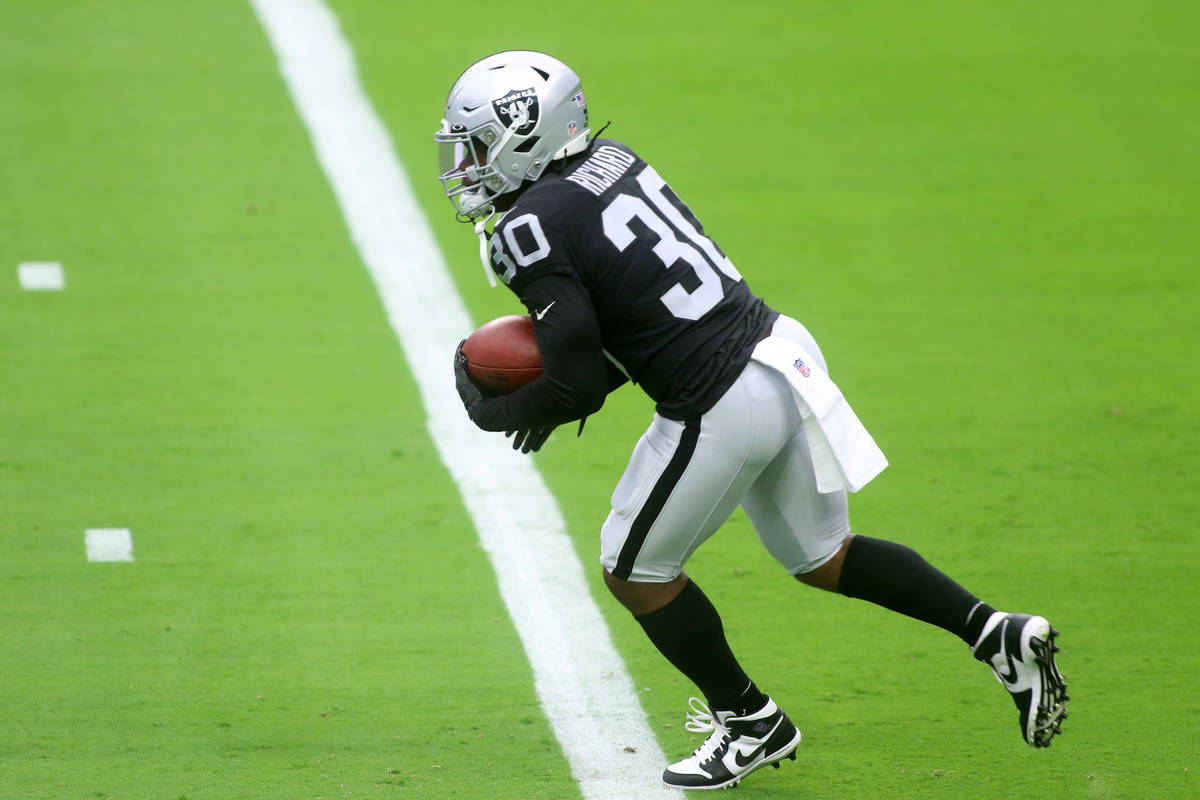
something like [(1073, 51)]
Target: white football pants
[(684, 480)]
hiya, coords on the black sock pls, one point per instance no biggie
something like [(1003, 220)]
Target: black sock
[(689, 633), (898, 578)]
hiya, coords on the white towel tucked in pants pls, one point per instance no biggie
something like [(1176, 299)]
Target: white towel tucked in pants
[(845, 457)]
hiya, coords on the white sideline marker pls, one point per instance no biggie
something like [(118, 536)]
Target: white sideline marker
[(584, 688), (41, 276), (108, 544)]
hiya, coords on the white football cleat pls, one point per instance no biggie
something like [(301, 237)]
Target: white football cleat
[(737, 746), (1020, 650)]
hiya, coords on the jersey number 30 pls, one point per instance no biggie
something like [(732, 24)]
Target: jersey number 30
[(662, 216)]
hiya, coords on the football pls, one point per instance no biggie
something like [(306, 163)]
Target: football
[(503, 355)]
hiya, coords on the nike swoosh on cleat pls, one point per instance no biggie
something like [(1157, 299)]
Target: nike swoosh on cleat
[(542, 313), (1011, 677), (753, 754)]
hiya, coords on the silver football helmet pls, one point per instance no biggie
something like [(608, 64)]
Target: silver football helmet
[(507, 117)]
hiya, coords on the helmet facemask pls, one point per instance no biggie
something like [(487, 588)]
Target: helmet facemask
[(465, 168)]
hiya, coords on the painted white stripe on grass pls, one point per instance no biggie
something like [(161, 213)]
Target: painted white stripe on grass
[(584, 688), (41, 276), (108, 544)]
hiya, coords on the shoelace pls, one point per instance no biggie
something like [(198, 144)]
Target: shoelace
[(701, 720)]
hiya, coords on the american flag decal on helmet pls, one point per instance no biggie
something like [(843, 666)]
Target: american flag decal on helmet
[(801, 367), (579, 101)]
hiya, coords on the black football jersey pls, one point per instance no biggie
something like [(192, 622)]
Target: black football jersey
[(673, 312)]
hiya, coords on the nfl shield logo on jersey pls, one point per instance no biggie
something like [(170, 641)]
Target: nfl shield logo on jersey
[(519, 106), (801, 367)]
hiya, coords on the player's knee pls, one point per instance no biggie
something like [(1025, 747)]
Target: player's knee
[(642, 598), (612, 582), (828, 575)]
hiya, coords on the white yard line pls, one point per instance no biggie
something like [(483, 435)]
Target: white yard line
[(108, 544), (42, 276), (584, 688)]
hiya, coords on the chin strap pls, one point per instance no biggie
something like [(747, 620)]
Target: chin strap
[(481, 232)]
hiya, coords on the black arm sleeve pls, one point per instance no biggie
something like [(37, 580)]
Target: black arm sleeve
[(575, 378)]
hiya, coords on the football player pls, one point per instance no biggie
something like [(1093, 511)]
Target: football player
[(623, 284)]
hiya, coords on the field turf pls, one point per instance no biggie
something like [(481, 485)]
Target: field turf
[(987, 215)]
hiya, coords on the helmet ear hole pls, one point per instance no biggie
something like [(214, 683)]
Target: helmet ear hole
[(527, 145)]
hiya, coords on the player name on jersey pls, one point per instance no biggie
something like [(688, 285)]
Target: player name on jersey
[(602, 169)]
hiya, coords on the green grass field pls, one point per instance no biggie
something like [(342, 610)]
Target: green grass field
[(987, 216)]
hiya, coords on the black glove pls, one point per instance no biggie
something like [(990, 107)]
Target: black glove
[(529, 440), (467, 390)]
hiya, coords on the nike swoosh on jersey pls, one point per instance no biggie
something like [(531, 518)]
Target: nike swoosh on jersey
[(542, 313)]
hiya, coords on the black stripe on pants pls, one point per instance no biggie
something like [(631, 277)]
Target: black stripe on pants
[(658, 498)]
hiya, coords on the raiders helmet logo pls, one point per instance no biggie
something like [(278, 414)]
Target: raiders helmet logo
[(519, 106)]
